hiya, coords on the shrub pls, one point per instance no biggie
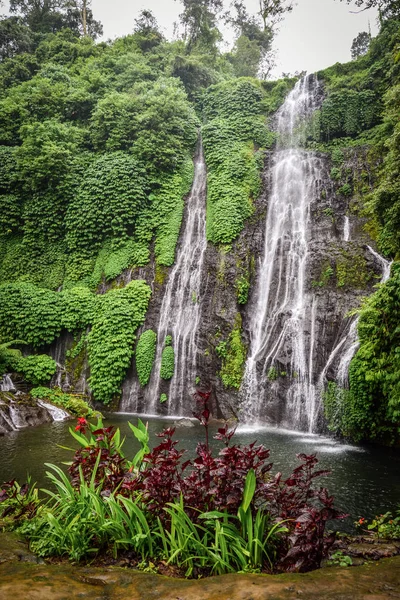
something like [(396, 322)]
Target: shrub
[(110, 343), (37, 368), (215, 514), (167, 363), (145, 354), (76, 404)]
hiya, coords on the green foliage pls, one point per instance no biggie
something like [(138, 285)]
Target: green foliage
[(76, 404), (374, 372), (242, 285), (360, 45), (345, 189), (352, 271), (233, 362), (337, 402), (168, 205), (154, 121), (29, 313), (234, 130), (70, 213), (40, 315), (326, 274), (348, 112), (338, 559), (222, 349), (110, 343), (110, 197), (9, 357), (385, 526), (37, 368), (370, 409), (167, 362), (163, 398), (386, 203), (272, 374), (145, 354)]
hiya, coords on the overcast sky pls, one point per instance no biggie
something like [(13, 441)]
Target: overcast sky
[(316, 34)]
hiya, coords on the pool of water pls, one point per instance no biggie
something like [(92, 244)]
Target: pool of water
[(364, 480)]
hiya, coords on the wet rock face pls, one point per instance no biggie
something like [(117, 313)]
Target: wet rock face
[(18, 411), (340, 271), (22, 575)]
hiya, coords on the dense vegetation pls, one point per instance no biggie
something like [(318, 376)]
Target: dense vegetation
[(358, 124), (96, 146), (185, 515)]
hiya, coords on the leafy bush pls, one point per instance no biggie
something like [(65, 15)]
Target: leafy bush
[(37, 368), (226, 514), (242, 285), (17, 502), (167, 363), (110, 343), (76, 404), (145, 354)]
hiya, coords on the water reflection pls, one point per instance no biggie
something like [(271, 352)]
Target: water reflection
[(364, 480)]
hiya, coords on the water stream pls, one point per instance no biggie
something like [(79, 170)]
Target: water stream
[(7, 385), (282, 327), (180, 309), (350, 343)]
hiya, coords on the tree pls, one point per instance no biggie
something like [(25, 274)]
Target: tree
[(199, 19), (50, 16), (255, 35), (146, 31), (15, 37), (360, 45), (388, 9), (80, 11)]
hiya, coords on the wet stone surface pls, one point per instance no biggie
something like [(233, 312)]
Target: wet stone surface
[(21, 578)]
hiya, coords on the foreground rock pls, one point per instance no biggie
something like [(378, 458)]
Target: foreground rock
[(21, 577), (19, 410)]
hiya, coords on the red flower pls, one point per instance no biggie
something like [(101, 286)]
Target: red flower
[(361, 521), (82, 423)]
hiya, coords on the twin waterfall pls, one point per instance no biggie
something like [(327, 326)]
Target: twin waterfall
[(297, 333)]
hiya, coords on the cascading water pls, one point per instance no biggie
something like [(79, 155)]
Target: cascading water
[(346, 229), (283, 322), (351, 343), (180, 309), (56, 413), (7, 385)]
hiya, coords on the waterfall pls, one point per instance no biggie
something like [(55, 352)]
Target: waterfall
[(180, 309), (7, 384), (346, 229), (57, 414), (351, 341), (282, 327)]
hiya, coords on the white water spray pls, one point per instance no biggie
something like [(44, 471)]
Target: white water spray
[(282, 328), (346, 229), (352, 343), (180, 309), (7, 384)]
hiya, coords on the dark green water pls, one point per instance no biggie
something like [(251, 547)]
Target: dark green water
[(364, 480)]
